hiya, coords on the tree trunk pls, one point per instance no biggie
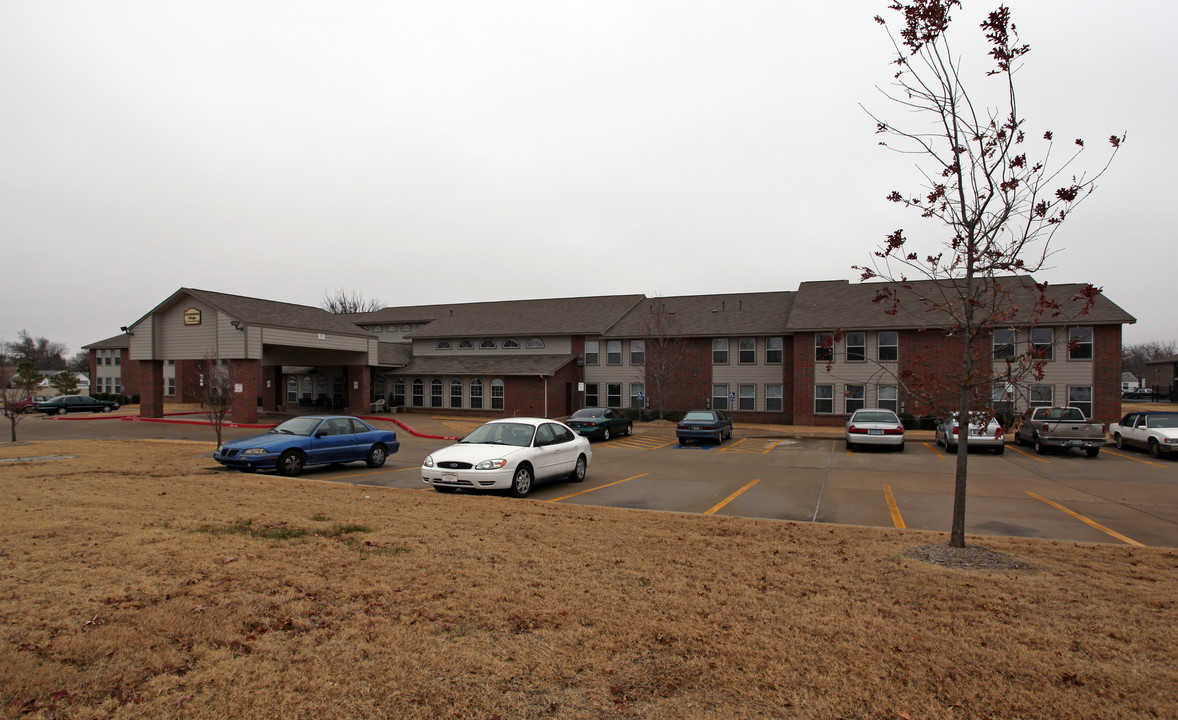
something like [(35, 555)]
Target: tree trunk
[(957, 532)]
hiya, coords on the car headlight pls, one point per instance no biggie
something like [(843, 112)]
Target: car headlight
[(1170, 441), (255, 451), (491, 464), (429, 461)]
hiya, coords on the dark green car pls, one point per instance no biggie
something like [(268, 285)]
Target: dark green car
[(63, 404), (597, 422)]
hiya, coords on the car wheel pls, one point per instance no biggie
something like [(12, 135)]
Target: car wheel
[(1000, 449), (290, 463), (682, 441), (376, 456), (521, 483), (1120, 441), (1092, 452), (629, 430), (850, 446), (1040, 448), (1155, 449), (605, 435), (950, 448), (900, 447), (445, 489), (578, 473), (729, 434), (61, 411), (719, 436), (107, 408)]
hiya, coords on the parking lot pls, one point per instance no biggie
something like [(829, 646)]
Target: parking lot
[(1123, 497)]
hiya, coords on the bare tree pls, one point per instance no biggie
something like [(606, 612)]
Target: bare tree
[(665, 346), (215, 386), (999, 208), (42, 352), (17, 385), (342, 302)]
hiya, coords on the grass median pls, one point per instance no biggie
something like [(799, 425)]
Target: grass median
[(139, 581)]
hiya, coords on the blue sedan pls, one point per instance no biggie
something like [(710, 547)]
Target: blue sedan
[(310, 440), (704, 425)]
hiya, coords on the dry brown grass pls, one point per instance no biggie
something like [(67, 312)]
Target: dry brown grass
[(137, 583)]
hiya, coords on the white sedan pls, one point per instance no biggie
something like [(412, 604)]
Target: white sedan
[(991, 435), (510, 454), (875, 426)]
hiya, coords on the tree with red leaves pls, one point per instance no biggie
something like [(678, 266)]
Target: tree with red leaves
[(999, 197)]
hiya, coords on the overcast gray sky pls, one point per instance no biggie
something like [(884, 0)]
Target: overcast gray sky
[(469, 150)]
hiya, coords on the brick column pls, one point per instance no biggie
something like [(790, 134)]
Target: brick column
[(359, 389), (244, 408), (151, 395), (273, 394)]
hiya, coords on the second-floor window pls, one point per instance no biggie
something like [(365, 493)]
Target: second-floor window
[(613, 355), (823, 346), (591, 352), (746, 351), (889, 346), (1080, 343), (637, 352), (719, 351), (1004, 344), (1043, 343), (774, 350), (856, 346)]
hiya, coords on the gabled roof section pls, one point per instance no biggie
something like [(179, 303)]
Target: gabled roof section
[(554, 316), (269, 313), (710, 315), (830, 304), (122, 340), (394, 354)]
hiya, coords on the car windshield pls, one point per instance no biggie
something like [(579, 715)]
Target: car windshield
[(1162, 421), (586, 413), (297, 426), (1063, 415), (874, 416), (704, 416), (502, 433)]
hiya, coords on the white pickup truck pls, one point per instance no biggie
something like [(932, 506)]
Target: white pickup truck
[(1156, 432), (1059, 427)]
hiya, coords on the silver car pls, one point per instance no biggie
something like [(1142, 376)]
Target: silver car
[(991, 435), (875, 426)]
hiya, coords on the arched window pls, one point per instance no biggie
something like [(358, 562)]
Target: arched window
[(321, 387), (476, 394), (307, 388), (465, 344), (418, 393), (443, 345), (406, 328), (497, 394), (455, 393), (511, 344), (377, 328), (487, 344), (292, 389), (435, 393), (399, 392), (535, 343)]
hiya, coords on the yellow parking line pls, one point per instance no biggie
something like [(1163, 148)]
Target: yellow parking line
[(934, 450), (897, 520), (1130, 457), (616, 482), (731, 497), (1024, 452), (1085, 520)]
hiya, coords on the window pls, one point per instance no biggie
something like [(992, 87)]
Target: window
[(497, 394), (591, 352), (1080, 343), (399, 392), (292, 389), (476, 394), (171, 389), (637, 352), (535, 343), (455, 393), (773, 401), (378, 328), (889, 346), (746, 351), (719, 397), (823, 347), (1042, 396), (613, 395), (591, 395), (853, 397), (1004, 344), (637, 395), (1081, 397), (856, 346), (307, 387), (118, 356), (418, 393), (746, 397), (774, 350), (613, 352), (487, 344), (824, 399), (465, 344), (719, 351), (106, 357), (889, 398), (1043, 343), (511, 344), (392, 328), (406, 328), (443, 345), (321, 387), (435, 393)]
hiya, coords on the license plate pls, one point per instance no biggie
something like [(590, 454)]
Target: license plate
[(449, 477), (875, 432)]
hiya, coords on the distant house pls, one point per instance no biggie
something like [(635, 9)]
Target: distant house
[(1162, 373), (1129, 382), (46, 389)]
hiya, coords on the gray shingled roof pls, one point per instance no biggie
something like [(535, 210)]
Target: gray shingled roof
[(825, 305), (394, 354), (711, 315), (487, 365), (552, 316), (122, 340), (271, 313)]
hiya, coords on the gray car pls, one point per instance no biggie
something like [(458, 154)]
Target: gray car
[(991, 436)]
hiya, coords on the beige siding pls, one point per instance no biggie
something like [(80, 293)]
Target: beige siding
[(175, 340), (562, 345), (309, 339)]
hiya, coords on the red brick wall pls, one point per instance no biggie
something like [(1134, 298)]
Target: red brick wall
[(1106, 373), (151, 396), (689, 387), (245, 403), (802, 396)]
